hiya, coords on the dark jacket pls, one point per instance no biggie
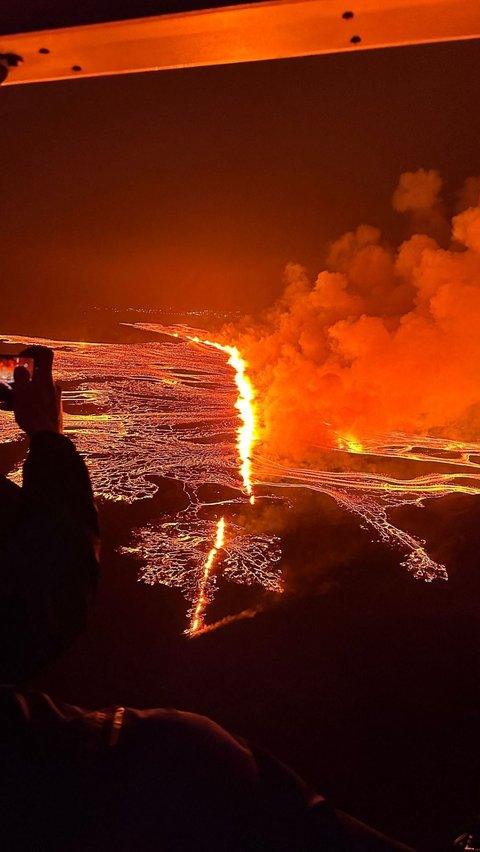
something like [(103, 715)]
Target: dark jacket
[(119, 780), (49, 544), (123, 780)]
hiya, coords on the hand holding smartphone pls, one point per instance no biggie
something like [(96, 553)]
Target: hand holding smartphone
[(8, 365), (31, 392)]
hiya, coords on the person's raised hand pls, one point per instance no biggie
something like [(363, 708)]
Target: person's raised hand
[(37, 401)]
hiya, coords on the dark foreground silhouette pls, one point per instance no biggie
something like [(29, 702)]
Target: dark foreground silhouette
[(119, 778)]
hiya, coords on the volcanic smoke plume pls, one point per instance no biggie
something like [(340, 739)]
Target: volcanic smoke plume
[(384, 340)]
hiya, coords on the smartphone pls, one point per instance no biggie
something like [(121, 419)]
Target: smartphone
[(8, 363)]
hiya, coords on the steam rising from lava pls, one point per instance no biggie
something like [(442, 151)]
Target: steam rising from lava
[(384, 340)]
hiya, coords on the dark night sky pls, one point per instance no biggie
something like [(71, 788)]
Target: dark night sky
[(194, 188)]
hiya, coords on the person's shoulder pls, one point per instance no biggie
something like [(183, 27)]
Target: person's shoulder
[(187, 739), (170, 723)]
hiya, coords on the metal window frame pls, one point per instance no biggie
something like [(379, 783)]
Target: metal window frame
[(231, 34)]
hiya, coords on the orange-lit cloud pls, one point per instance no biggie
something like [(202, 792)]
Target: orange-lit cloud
[(385, 339)]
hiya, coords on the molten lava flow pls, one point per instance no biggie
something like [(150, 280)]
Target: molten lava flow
[(145, 411), (166, 409), (246, 433), (350, 444), (202, 597)]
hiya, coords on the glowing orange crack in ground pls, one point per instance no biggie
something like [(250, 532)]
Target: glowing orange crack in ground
[(202, 600), (246, 437), (246, 434)]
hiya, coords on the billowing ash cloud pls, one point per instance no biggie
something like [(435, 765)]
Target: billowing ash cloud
[(384, 339)]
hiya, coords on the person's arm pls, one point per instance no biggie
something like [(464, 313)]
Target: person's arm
[(49, 555)]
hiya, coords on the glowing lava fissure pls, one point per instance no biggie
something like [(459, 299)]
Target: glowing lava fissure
[(247, 432), (157, 410), (198, 613)]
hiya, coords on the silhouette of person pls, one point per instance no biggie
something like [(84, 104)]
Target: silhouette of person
[(118, 778), (49, 536)]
